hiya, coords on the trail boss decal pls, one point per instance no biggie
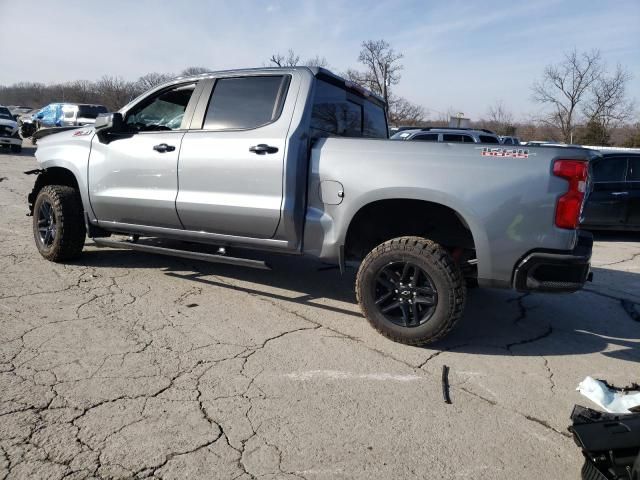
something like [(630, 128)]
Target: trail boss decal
[(504, 152)]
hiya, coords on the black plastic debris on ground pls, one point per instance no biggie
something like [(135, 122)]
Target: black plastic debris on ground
[(610, 443), (445, 384)]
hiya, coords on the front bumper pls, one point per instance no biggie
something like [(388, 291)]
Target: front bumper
[(553, 271)]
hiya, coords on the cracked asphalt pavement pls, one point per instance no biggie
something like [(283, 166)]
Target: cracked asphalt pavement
[(127, 365)]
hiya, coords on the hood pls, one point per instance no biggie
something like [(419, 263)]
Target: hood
[(8, 123)]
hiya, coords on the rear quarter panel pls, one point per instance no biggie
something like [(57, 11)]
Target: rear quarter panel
[(508, 203)]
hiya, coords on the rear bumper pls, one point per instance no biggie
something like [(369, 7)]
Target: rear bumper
[(553, 271)]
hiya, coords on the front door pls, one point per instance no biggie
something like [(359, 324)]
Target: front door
[(232, 160), (133, 177), (607, 203)]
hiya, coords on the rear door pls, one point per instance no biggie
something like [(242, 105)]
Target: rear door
[(608, 201), (633, 185), (232, 159)]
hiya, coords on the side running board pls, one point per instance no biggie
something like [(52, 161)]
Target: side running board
[(205, 257)]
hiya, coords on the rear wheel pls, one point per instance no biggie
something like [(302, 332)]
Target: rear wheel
[(411, 290), (58, 225)]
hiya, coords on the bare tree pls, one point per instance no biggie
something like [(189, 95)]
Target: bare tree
[(402, 112), (565, 85), (290, 60), (382, 68), (187, 72), (150, 80), (317, 61), (608, 104), (499, 119), (114, 92)]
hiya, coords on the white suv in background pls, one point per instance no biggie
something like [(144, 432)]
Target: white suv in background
[(448, 135)]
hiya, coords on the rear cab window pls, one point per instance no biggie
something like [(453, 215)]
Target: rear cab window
[(338, 111)]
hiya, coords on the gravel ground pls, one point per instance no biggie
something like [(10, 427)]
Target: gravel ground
[(127, 365)]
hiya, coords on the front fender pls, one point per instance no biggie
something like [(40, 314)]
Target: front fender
[(67, 151)]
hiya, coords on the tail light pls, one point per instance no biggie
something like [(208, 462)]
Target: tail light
[(569, 205)]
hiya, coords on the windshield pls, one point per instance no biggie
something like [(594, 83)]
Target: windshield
[(91, 111), (5, 113)]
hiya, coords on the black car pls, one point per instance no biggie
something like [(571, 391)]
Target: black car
[(614, 203)]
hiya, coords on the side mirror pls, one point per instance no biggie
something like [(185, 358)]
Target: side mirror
[(40, 116), (109, 123)]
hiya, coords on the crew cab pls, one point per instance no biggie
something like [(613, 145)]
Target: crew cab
[(297, 161)]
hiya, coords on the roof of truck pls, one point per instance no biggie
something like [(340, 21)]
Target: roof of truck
[(320, 72)]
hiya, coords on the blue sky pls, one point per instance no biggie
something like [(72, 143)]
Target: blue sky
[(459, 55)]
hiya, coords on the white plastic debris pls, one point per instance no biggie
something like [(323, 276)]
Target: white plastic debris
[(610, 400)]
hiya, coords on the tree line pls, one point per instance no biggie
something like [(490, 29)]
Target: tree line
[(582, 100)]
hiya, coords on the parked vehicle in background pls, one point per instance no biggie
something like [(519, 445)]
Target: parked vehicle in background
[(507, 140), (27, 124), (62, 115), (9, 136), (448, 135), (614, 203), (297, 161), (18, 110), (68, 114)]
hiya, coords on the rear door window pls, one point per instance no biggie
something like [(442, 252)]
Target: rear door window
[(488, 139), (453, 137), (242, 103), (91, 111), (610, 169), (426, 137)]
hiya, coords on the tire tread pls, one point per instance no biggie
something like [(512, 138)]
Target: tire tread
[(424, 247)]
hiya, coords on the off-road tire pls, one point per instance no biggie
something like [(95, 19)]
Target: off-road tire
[(445, 275), (16, 148), (70, 232)]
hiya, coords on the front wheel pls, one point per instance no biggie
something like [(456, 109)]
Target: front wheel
[(58, 224), (411, 290)]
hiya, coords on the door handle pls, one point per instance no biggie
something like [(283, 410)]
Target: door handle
[(263, 148), (163, 147), (619, 193)]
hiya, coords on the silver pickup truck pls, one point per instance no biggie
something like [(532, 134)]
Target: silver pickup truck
[(297, 161)]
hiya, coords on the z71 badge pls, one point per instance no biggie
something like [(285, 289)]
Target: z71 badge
[(81, 133)]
